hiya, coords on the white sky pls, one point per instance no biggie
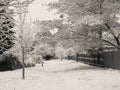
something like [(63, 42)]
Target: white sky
[(38, 10)]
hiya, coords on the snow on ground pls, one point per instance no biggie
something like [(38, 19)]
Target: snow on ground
[(61, 75)]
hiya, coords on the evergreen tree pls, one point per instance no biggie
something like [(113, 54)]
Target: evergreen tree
[(6, 26)]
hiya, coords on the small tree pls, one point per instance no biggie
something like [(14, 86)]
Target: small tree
[(21, 8)]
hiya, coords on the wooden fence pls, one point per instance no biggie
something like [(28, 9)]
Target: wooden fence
[(112, 59), (92, 60)]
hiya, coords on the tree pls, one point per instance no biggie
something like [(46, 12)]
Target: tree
[(6, 26), (21, 9), (8, 22), (99, 15), (45, 35)]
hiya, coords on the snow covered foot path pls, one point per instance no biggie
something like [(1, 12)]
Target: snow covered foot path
[(61, 75)]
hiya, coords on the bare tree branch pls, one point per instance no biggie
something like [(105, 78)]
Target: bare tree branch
[(111, 43)]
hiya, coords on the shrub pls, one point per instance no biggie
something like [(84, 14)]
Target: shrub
[(42, 49), (9, 61), (60, 52), (29, 62), (70, 53), (48, 57), (37, 59)]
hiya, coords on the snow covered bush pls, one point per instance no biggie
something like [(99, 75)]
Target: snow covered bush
[(29, 62), (9, 61), (37, 58), (43, 51), (70, 53), (60, 52)]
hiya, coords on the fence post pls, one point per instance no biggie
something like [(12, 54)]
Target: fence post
[(77, 57)]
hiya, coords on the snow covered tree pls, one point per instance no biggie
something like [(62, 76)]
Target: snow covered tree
[(6, 26), (102, 16), (45, 35), (21, 10)]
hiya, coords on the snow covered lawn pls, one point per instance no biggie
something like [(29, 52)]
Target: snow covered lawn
[(61, 75)]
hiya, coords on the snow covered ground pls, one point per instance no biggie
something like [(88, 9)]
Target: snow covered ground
[(61, 75)]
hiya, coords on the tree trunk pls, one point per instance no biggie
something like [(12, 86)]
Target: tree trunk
[(23, 58), (100, 47)]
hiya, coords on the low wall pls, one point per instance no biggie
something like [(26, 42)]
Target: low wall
[(112, 59)]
